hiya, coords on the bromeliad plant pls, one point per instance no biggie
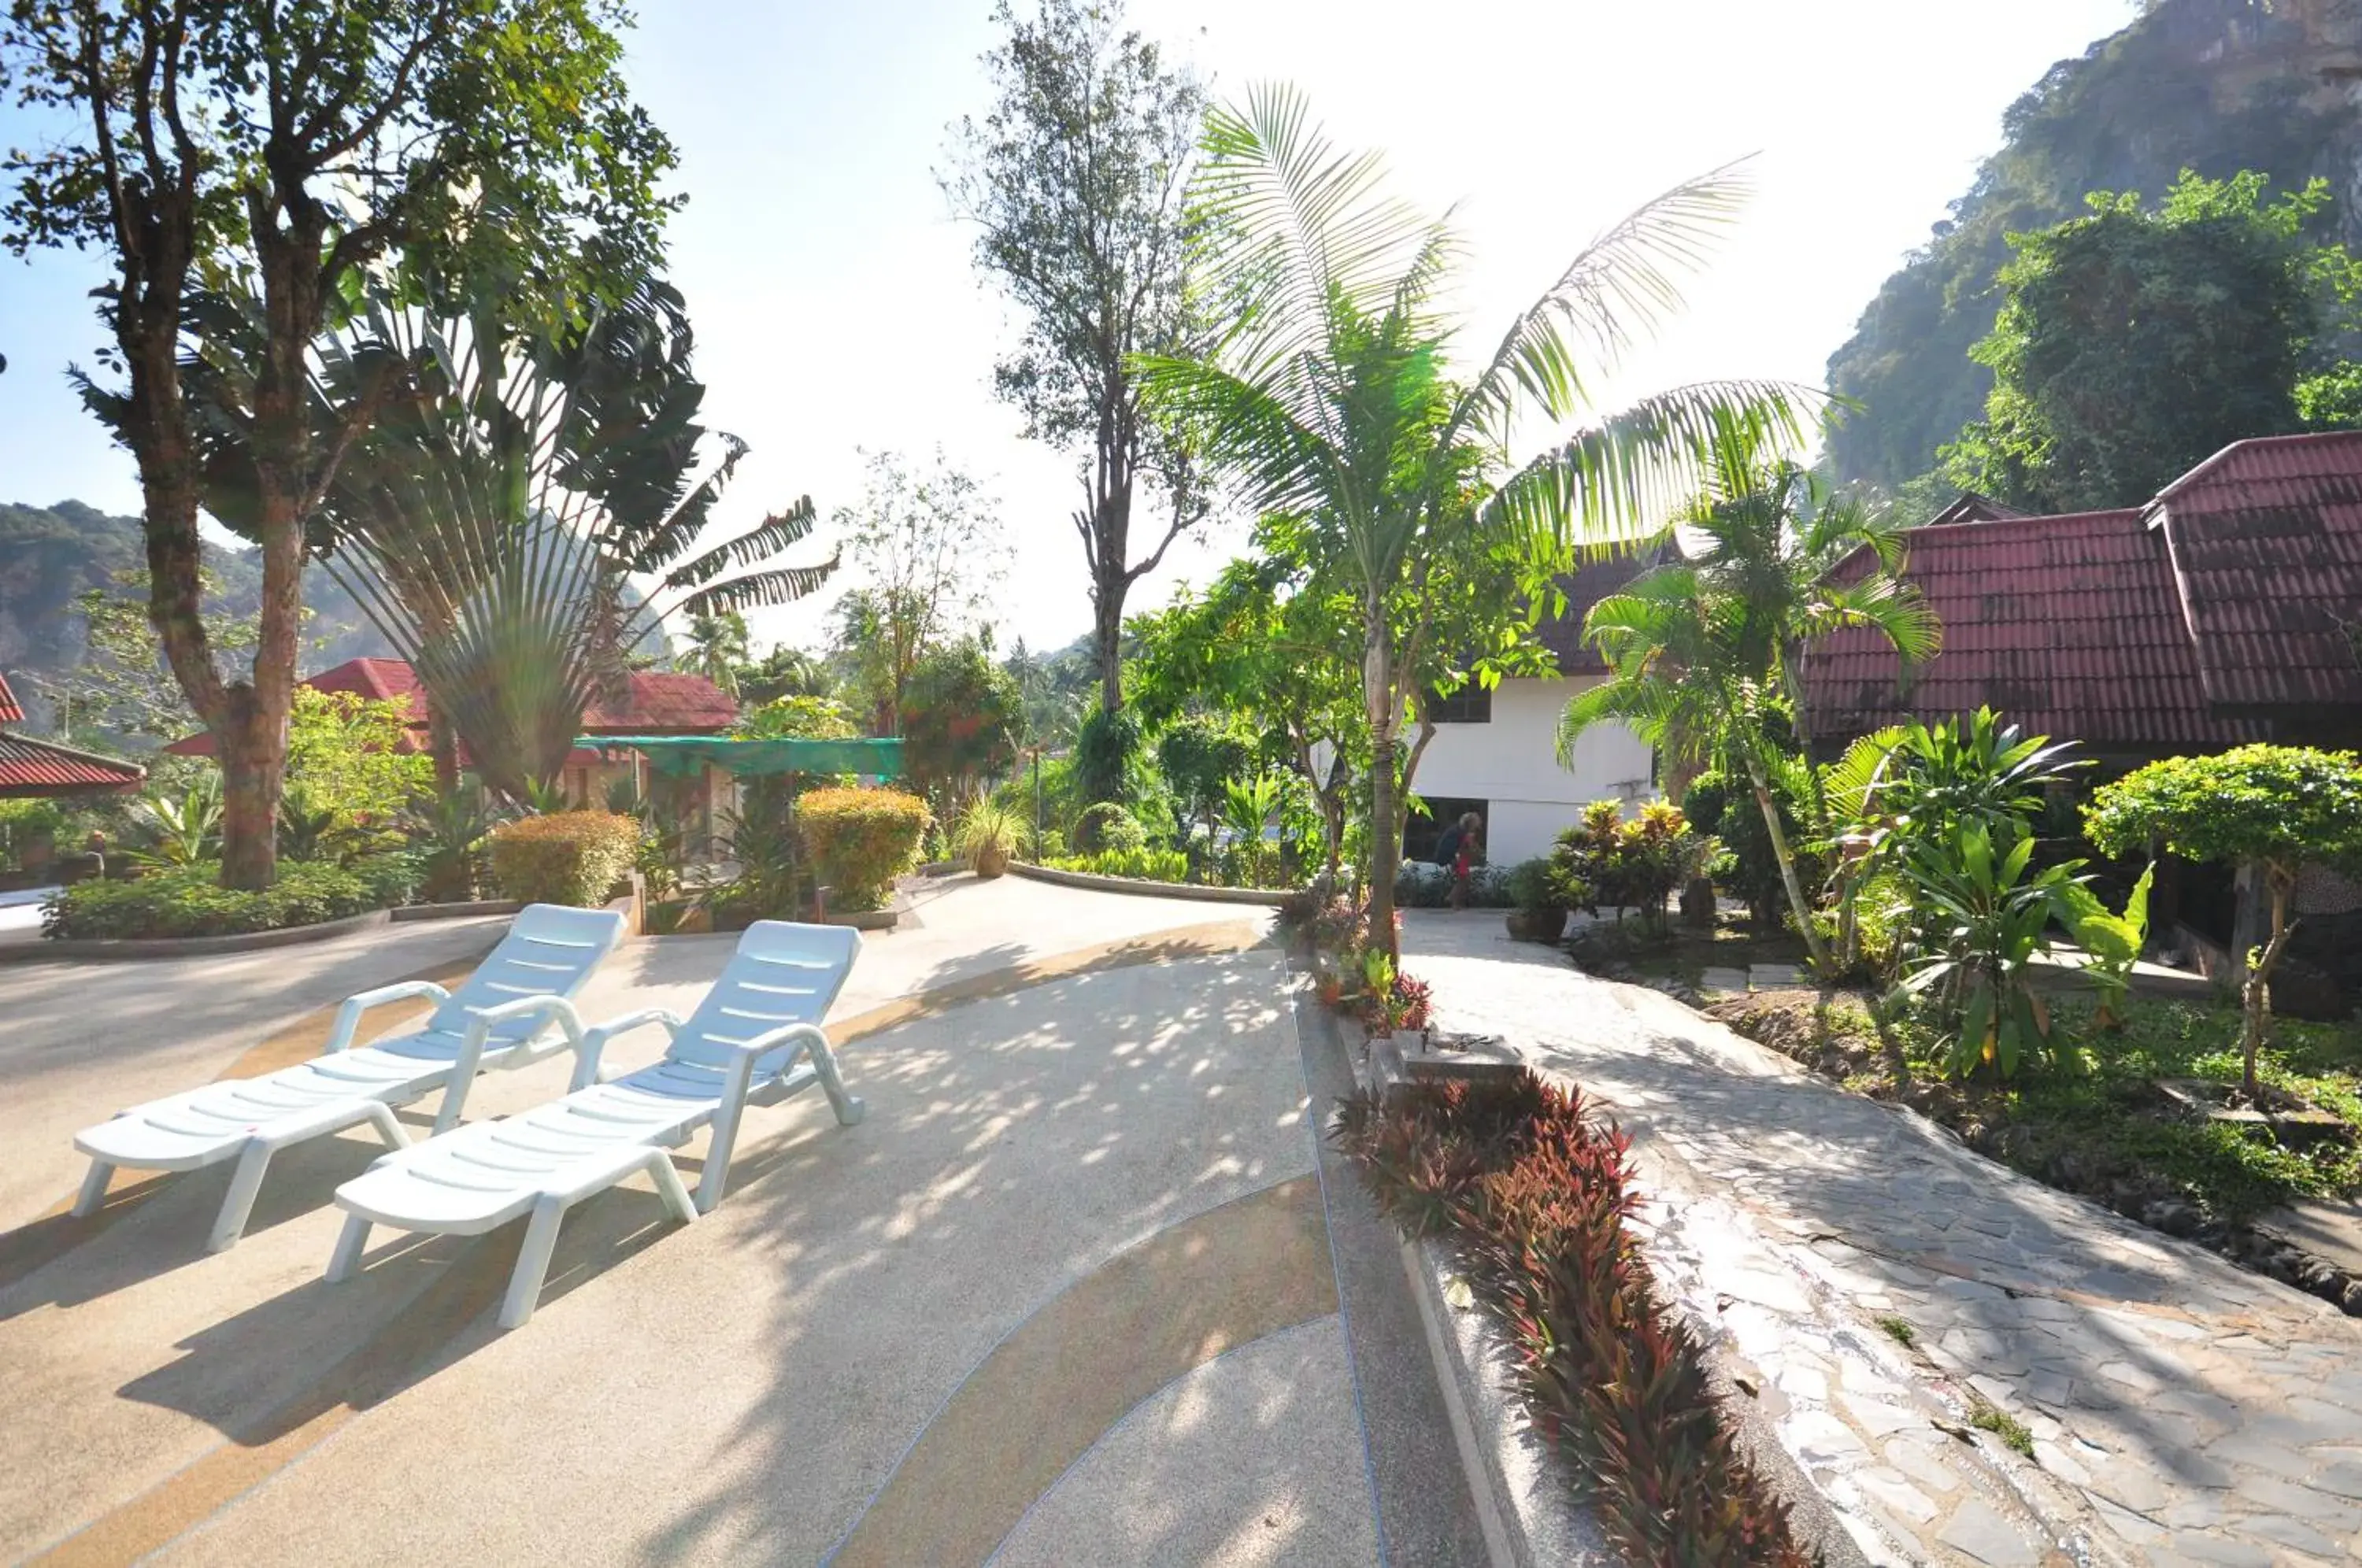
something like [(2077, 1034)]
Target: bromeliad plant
[(1984, 912), (1537, 1199), (182, 830)]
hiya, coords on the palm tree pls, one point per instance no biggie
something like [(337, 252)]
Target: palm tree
[(1703, 652), (1330, 398), (717, 646), (499, 520)]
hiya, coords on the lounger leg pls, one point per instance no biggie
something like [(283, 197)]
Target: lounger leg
[(716, 1180), (388, 1126), (351, 1241), (532, 1261), (849, 1111), (238, 1204), (669, 1187), (94, 1189)]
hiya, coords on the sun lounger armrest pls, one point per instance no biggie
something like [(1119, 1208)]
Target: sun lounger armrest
[(349, 1016), (480, 1023), (595, 1038)]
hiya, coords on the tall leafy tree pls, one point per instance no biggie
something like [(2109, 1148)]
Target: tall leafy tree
[(1075, 180), (718, 648), (2135, 342), (1704, 653), (928, 542), (293, 144), (1329, 397)]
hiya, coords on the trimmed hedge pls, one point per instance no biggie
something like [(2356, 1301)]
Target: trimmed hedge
[(566, 857), (186, 900), (1537, 1200), (1142, 863), (860, 840)]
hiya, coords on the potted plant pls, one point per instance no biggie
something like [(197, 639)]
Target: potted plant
[(987, 836), (1539, 910)]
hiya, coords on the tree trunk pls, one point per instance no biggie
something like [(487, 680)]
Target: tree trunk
[(1782, 853), (2254, 991), (1107, 634), (1386, 836), (443, 745)]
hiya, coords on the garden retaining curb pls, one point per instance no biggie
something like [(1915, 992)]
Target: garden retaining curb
[(1142, 886), (1530, 1506), (455, 911), (188, 947)]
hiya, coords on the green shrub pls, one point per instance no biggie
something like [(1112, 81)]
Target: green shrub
[(1607, 861), (1723, 806), (1109, 826), (1539, 1200), (860, 840), (186, 900), (1147, 865), (567, 857)]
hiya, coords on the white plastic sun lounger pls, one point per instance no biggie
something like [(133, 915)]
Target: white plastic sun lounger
[(498, 1019), (754, 1040)]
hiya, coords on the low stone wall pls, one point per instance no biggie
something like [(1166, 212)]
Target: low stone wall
[(1140, 886), (188, 947)]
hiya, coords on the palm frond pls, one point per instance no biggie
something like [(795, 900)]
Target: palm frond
[(1629, 476), (1621, 286)]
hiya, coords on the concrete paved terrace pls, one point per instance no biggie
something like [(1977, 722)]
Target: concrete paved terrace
[(1068, 1294)]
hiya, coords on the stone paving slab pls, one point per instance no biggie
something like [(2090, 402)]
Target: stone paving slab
[(2181, 1410)]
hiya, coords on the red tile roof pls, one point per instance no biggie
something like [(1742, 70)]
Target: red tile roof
[(28, 767), (2230, 603), (2265, 539), (2070, 626), (655, 702), (1583, 587), (10, 713)]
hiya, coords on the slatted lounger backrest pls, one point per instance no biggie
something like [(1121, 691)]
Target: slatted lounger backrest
[(549, 950), (783, 973)]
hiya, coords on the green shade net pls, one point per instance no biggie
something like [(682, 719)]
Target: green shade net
[(676, 755)]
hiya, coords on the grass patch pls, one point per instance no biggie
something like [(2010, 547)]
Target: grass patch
[(1899, 1330), (2103, 1130), (1987, 1417)]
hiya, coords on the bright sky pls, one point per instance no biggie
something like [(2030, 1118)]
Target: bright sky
[(838, 309)]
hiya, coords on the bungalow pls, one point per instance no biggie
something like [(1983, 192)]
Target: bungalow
[(654, 703), (30, 767), (1495, 752), (2225, 610)]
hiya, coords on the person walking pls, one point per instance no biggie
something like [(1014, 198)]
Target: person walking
[(1462, 848)]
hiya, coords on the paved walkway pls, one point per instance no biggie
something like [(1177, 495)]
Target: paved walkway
[(2182, 1410), (1068, 1293)]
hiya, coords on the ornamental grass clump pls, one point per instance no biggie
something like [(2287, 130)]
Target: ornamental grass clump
[(860, 840), (1535, 1197), (567, 858)]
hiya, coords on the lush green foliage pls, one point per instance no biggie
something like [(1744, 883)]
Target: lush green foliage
[(1983, 909), (447, 834), (1970, 770), (2133, 343), (1108, 751), (188, 901), (1609, 861), (1539, 1200), (929, 543), (988, 830), (178, 830), (1705, 653), (860, 840), (2216, 85), (1201, 760), (2271, 807), (1107, 827), (1075, 181), (2278, 805), (797, 716), (1139, 861), (1326, 397), (347, 758), (566, 857), (1745, 864), (961, 712)]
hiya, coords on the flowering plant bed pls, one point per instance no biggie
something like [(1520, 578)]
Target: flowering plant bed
[(1535, 1196)]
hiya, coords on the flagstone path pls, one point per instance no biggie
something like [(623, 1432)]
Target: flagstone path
[(2180, 1410)]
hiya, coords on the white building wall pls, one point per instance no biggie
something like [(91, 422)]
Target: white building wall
[(1513, 763)]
